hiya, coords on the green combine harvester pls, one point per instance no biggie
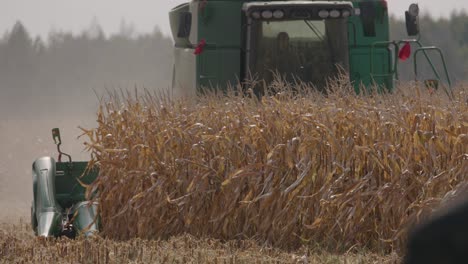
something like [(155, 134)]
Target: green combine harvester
[(220, 43), (308, 41)]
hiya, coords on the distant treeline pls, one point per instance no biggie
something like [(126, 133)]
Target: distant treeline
[(60, 74), (70, 66)]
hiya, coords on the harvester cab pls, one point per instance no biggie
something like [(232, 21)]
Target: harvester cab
[(220, 43), (59, 204)]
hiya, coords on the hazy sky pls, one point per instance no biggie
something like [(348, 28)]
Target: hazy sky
[(40, 16)]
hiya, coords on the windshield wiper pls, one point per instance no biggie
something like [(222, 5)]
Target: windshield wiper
[(321, 37), (314, 29)]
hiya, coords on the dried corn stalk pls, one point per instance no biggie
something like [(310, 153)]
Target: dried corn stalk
[(289, 169)]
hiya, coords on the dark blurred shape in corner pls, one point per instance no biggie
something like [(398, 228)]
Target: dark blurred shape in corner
[(443, 239)]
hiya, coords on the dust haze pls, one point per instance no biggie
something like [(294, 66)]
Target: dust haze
[(57, 83)]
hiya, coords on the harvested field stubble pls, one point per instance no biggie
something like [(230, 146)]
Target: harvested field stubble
[(18, 245), (343, 171)]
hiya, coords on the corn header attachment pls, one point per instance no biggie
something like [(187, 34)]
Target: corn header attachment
[(59, 204)]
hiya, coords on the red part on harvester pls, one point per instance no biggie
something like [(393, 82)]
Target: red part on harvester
[(202, 5), (200, 47), (405, 52)]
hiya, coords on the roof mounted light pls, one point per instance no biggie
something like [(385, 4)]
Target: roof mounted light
[(346, 13), (335, 13), (298, 9), (267, 14), (323, 14), (278, 14), (357, 11), (256, 15)]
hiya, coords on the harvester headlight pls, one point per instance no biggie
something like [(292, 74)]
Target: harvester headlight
[(256, 15), (278, 14), (346, 13), (357, 11), (324, 14), (335, 13), (267, 14)]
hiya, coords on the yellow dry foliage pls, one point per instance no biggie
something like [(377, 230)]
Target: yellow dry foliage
[(290, 169)]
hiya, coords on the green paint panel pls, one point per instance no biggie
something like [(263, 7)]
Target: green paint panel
[(382, 28), (219, 67), (67, 188), (219, 23), (360, 67), (360, 50)]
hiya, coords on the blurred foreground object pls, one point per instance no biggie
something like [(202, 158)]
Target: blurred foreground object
[(442, 239)]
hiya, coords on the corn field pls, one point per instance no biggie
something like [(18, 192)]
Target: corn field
[(290, 169)]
